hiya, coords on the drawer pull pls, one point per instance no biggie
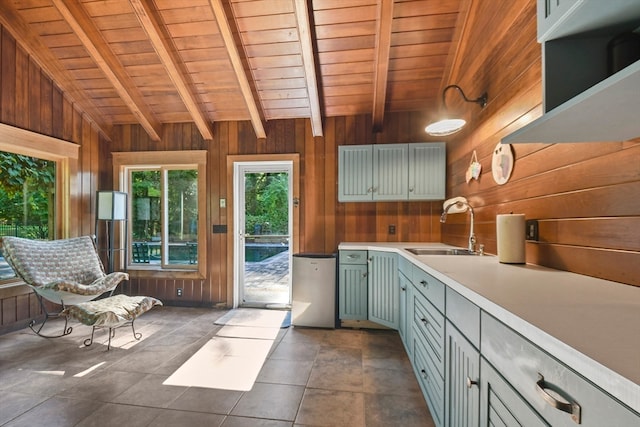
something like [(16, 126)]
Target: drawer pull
[(353, 256), (403, 288), (569, 407), (424, 374), (471, 383), (424, 283), (425, 321)]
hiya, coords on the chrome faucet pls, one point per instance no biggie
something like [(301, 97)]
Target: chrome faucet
[(462, 204)]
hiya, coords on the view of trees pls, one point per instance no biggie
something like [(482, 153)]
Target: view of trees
[(27, 195), (267, 203)]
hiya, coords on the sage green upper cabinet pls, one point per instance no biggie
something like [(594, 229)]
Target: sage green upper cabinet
[(355, 173), (391, 172), (564, 18), (582, 99), (427, 171)]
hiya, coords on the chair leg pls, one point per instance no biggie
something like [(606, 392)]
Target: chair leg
[(89, 340), (65, 331), (136, 335)]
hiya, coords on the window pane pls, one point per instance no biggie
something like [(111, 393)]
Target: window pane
[(182, 193), (27, 200), (145, 217)]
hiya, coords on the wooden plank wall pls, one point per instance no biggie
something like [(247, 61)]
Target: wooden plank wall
[(585, 195), (30, 100), (324, 222)]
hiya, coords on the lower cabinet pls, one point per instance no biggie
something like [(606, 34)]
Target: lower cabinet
[(352, 285), (368, 287), (473, 370), (501, 405), (559, 395)]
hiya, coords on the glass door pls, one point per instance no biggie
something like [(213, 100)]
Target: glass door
[(263, 230)]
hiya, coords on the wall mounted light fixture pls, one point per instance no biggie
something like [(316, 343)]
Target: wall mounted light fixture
[(446, 127)]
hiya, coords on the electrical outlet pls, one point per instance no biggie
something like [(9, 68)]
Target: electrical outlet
[(392, 229), (179, 292), (532, 229)]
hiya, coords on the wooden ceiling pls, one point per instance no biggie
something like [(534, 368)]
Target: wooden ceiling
[(161, 61)]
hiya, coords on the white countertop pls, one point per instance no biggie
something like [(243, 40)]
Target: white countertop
[(590, 324)]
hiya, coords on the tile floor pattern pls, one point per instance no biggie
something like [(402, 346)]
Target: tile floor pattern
[(312, 377)]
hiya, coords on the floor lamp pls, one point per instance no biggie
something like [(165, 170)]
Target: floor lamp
[(111, 207)]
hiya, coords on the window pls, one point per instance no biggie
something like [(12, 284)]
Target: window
[(34, 187), (166, 196)]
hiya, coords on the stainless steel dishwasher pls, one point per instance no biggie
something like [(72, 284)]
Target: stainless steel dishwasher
[(314, 290)]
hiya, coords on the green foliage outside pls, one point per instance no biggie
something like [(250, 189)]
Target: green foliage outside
[(27, 195), (182, 206), (267, 203)]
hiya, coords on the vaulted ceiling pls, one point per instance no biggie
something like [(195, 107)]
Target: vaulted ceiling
[(162, 61)]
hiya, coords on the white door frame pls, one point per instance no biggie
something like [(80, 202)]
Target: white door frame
[(234, 163)]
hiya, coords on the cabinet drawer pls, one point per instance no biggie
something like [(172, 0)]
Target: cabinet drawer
[(430, 382), (428, 323), (353, 257), (465, 315), (430, 287), (522, 364)]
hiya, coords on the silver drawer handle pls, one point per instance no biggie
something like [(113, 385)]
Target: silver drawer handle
[(424, 374), (471, 383), (403, 288), (352, 256), (425, 321), (424, 283), (569, 407)]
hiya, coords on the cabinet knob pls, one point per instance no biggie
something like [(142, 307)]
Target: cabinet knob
[(424, 374), (411, 190), (471, 383), (424, 283), (403, 288), (425, 321)]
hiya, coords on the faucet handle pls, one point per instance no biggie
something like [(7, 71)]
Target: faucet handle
[(481, 249)]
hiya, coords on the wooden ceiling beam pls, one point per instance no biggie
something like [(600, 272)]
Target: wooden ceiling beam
[(42, 56), (383, 49), (236, 61), (304, 33), (90, 37), (161, 41)]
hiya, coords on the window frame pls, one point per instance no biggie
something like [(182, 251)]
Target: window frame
[(65, 154), (124, 162)]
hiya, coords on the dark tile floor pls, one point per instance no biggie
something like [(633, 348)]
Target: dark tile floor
[(312, 377)]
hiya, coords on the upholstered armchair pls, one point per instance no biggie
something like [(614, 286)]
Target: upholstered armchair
[(66, 272)]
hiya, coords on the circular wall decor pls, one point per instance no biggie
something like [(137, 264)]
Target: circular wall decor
[(502, 163)]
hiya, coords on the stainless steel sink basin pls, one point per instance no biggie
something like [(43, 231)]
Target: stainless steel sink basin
[(428, 251)]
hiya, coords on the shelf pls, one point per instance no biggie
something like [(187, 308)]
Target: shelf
[(607, 111)]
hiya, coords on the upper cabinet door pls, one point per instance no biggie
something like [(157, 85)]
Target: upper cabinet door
[(355, 177), (390, 177), (427, 170)]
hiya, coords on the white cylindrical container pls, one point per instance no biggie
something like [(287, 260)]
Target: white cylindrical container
[(510, 233)]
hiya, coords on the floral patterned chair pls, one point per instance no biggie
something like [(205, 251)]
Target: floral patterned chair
[(67, 272)]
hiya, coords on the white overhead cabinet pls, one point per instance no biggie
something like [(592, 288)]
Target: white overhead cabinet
[(391, 172)]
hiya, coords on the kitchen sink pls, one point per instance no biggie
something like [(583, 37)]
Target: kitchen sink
[(433, 251)]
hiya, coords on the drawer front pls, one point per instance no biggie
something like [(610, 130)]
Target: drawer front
[(541, 379), (465, 315), (431, 383), (353, 257), (428, 323), (430, 287)]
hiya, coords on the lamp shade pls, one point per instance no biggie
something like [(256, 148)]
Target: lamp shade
[(112, 205), (445, 127)]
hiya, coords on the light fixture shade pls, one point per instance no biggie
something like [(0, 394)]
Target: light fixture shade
[(445, 127), (111, 205)]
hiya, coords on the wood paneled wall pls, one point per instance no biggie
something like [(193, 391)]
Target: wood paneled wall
[(324, 222), (30, 100), (585, 195)]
